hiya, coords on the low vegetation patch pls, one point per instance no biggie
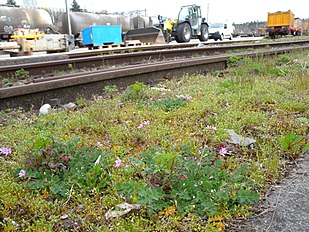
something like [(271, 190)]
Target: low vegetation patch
[(157, 158)]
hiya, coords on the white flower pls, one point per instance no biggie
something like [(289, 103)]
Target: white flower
[(208, 127)]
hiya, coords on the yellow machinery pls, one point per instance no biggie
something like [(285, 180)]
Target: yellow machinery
[(189, 25), (282, 23), (167, 27), (280, 19), (28, 41)]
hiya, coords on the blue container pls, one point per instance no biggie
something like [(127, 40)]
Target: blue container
[(99, 35)]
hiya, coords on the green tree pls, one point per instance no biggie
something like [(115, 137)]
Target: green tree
[(75, 7), (11, 2)]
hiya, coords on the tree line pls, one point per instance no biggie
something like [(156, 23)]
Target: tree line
[(75, 7)]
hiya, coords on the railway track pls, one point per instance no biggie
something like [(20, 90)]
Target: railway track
[(212, 47), (96, 59), (69, 87)]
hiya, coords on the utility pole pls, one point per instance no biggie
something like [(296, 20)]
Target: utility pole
[(207, 12), (68, 17), (302, 27)]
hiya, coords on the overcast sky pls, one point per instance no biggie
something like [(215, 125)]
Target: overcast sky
[(237, 11)]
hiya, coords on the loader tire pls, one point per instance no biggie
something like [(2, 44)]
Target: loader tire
[(221, 37), (204, 33), (183, 33)]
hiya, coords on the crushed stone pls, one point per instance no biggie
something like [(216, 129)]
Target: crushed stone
[(285, 208)]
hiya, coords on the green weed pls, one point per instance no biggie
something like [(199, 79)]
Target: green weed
[(56, 168), (134, 92), (183, 182), (70, 67), (232, 61), (284, 59), (168, 104), (301, 77), (294, 145), (21, 73), (81, 102)]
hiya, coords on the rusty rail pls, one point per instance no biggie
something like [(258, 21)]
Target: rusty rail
[(95, 61)]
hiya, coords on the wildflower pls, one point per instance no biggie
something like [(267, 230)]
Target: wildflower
[(184, 97), (21, 173), (223, 151), (183, 177), (64, 157), (99, 144), (211, 127), (5, 151), (145, 122), (118, 162)]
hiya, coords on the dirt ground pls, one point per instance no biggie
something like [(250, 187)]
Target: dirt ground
[(286, 206)]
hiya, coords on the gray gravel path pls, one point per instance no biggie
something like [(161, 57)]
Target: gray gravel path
[(286, 208)]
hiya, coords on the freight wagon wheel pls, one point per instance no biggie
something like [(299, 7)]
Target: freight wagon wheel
[(183, 33), (204, 33)]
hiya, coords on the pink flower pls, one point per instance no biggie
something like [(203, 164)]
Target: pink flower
[(118, 162), (21, 173), (99, 144), (223, 151), (64, 157), (183, 177), (5, 151), (145, 122)]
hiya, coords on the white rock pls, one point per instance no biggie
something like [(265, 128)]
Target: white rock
[(70, 106), (238, 139), (200, 45), (65, 216), (45, 109)]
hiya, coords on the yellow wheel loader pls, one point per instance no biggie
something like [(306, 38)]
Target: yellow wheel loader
[(189, 25)]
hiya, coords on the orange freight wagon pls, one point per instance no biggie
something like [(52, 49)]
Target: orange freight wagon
[(281, 23)]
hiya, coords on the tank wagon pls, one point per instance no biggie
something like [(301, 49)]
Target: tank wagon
[(15, 17), (31, 26), (135, 28), (24, 31), (81, 20)]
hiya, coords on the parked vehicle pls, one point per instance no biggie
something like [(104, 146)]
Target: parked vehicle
[(190, 24), (220, 31), (282, 23)]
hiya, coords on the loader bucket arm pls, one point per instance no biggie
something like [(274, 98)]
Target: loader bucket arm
[(146, 35)]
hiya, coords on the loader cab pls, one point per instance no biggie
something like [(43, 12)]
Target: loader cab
[(191, 14)]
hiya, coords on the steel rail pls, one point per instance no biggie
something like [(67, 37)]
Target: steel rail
[(178, 46), (70, 87), (42, 68)]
